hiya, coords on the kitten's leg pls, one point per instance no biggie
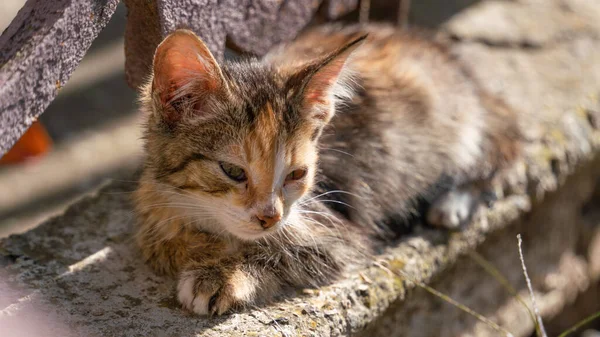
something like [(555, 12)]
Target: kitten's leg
[(209, 279), (254, 275), (215, 286), (456, 207), (215, 276)]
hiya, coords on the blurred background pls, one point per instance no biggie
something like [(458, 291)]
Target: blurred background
[(93, 132)]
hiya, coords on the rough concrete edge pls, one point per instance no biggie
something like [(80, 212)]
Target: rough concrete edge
[(39, 51)]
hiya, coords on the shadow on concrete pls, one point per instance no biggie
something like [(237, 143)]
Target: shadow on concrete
[(89, 107)]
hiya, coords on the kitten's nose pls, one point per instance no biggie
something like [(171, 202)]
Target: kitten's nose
[(268, 219)]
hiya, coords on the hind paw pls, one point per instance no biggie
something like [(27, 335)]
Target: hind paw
[(455, 209)]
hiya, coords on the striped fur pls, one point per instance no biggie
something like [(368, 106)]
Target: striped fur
[(337, 137)]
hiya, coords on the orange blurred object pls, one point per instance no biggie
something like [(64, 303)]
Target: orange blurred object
[(35, 142)]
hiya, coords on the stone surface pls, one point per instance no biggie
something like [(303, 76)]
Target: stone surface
[(84, 160), (38, 53), (79, 274)]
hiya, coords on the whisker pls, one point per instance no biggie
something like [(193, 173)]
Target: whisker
[(325, 201), (336, 150), (330, 192)]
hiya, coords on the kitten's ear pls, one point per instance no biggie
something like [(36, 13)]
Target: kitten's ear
[(185, 72), (326, 80)]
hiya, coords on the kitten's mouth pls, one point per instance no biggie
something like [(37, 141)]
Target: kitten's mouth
[(252, 231)]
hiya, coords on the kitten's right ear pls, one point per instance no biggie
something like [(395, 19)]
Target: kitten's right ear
[(185, 72), (325, 81)]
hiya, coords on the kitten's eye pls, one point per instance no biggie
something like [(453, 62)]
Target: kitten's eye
[(234, 172), (296, 175)]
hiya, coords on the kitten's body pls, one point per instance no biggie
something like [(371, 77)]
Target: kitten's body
[(416, 118)]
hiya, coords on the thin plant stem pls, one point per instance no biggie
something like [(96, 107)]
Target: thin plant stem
[(580, 324), (495, 273), (403, 12), (540, 323), (448, 299)]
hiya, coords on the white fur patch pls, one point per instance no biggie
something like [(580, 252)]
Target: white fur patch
[(200, 305), (451, 210), (241, 286), (185, 292), (244, 288), (468, 149), (279, 172), (185, 295)]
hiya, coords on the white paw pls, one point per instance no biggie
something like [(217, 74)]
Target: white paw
[(451, 210), (198, 303), (209, 295)]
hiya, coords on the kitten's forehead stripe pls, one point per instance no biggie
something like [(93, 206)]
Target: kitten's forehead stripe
[(257, 86), (280, 165), (262, 152)]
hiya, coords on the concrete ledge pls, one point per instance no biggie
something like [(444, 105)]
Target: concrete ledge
[(79, 274)]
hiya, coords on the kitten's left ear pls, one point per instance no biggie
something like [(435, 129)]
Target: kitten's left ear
[(184, 67), (325, 81)]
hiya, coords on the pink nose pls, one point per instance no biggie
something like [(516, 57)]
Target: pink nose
[(268, 220)]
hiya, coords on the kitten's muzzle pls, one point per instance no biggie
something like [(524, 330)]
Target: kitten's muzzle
[(268, 220)]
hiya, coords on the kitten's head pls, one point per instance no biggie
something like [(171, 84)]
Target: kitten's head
[(235, 145)]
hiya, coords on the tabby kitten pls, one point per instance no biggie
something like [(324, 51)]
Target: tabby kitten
[(283, 171)]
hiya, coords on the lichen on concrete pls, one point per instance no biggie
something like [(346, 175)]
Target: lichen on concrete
[(80, 274)]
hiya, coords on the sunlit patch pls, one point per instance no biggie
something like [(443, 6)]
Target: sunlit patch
[(95, 258)]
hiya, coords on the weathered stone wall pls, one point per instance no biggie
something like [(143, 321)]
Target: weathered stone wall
[(79, 274), (38, 53)]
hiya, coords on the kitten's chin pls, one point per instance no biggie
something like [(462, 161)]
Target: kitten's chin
[(252, 235)]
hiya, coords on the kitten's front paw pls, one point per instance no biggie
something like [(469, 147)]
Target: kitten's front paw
[(215, 289)]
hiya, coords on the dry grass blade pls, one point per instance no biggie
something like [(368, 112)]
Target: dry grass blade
[(450, 300), (495, 273), (540, 323), (580, 324)]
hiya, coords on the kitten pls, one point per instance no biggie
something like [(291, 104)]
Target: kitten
[(285, 171)]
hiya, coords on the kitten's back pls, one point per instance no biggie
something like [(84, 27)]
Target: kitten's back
[(417, 118)]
